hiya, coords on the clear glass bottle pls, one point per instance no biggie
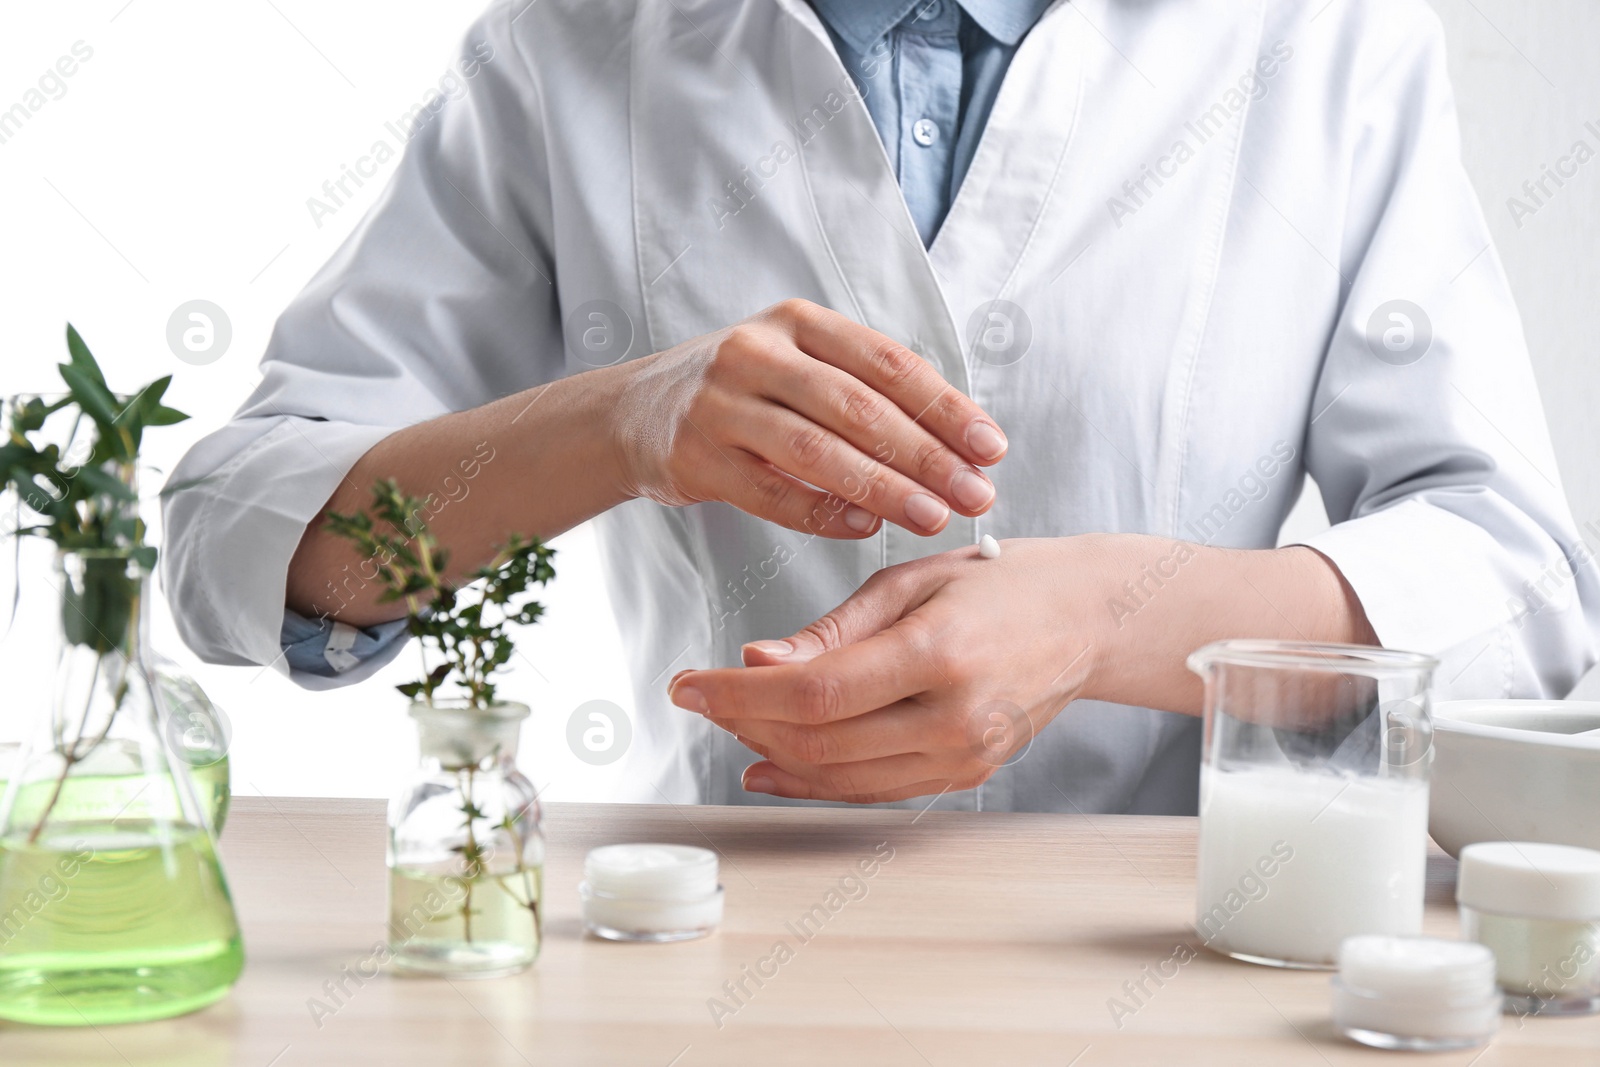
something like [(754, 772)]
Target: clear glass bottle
[(466, 856), (113, 905)]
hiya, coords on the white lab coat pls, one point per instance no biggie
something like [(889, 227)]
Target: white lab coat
[(1198, 344)]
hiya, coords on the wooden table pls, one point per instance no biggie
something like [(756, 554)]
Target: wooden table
[(985, 939)]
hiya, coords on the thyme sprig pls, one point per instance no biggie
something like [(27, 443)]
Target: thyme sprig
[(466, 626)]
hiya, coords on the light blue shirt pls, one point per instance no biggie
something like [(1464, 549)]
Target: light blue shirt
[(929, 71), (306, 645)]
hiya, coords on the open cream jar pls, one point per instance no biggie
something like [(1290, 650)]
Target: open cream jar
[(648, 892), (1418, 994)]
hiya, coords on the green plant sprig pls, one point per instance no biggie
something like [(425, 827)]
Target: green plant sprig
[(466, 625), (89, 505)]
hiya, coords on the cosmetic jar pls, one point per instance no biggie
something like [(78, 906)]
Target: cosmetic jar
[(1537, 907), (647, 892), (1418, 994)]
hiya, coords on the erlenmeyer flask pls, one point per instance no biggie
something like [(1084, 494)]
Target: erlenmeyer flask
[(197, 733), (113, 906)]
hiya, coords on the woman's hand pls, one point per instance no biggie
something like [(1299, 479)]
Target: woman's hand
[(796, 415), (802, 417), (938, 671), (929, 678)]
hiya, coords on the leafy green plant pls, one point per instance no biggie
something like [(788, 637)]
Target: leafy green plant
[(87, 503), (88, 506), (467, 627)]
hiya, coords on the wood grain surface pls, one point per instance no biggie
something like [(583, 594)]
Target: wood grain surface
[(983, 939)]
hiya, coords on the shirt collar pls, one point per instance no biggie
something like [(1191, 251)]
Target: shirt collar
[(1007, 21), (861, 22)]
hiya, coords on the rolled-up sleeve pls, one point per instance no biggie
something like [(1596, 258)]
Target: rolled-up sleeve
[(441, 300), (322, 653), (1428, 437)]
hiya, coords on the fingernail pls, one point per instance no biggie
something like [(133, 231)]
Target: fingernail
[(771, 648), (986, 440), (759, 784), (971, 490), (859, 519), (687, 696), (926, 511), (675, 677)]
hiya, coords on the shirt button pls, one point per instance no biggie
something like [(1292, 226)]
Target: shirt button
[(925, 131)]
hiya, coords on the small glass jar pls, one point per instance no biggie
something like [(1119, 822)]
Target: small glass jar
[(1313, 797), (466, 856), (642, 892), (1537, 906), (1419, 994)]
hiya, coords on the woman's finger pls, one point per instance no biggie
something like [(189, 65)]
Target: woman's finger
[(883, 599), (880, 670), (816, 455), (897, 372), (869, 782), (888, 731), (882, 434), (755, 486)]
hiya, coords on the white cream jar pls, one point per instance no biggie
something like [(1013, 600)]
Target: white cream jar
[(648, 892), (1419, 994), (1537, 907)]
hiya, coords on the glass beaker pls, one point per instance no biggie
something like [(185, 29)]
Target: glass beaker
[(1313, 797), (466, 855), (113, 906)]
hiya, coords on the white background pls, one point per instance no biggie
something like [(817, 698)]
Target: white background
[(177, 165)]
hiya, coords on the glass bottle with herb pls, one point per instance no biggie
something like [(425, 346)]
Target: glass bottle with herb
[(466, 855), (113, 905)]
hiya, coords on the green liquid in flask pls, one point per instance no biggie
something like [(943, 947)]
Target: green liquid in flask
[(113, 922)]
